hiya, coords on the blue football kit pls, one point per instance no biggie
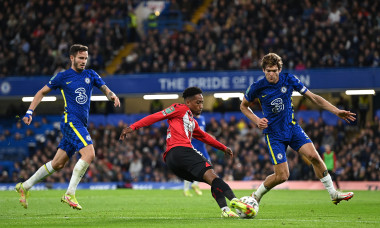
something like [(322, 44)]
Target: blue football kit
[(276, 102), (198, 145), (76, 89)]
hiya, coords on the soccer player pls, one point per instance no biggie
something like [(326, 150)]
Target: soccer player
[(281, 128), (180, 156), (76, 85), (201, 147)]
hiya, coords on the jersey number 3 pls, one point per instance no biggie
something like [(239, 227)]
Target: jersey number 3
[(82, 96), (278, 105)]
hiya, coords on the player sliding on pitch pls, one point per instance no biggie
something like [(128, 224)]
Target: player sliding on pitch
[(182, 158), (282, 130)]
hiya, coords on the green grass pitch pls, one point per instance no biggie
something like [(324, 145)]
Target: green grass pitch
[(169, 208)]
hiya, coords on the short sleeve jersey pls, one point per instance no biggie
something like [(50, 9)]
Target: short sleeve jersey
[(76, 89), (276, 100)]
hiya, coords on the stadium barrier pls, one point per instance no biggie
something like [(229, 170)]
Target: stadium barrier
[(235, 185)]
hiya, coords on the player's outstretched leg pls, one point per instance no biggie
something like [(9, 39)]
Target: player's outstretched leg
[(221, 201), (195, 187), (339, 196), (245, 208), (24, 194), (71, 201)]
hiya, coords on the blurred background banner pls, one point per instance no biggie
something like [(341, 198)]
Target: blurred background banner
[(236, 81)]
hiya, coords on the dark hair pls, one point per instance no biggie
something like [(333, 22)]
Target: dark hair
[(271, 59), (191, 91), (75, 48)]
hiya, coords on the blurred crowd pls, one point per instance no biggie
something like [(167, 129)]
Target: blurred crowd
[(140, 157), (234, 35), (36, 35), (230, 35)]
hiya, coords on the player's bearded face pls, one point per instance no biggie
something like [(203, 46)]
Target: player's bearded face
[(79, 61), (196, 104), (272, 74)]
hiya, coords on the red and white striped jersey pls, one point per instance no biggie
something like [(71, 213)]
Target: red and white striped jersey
[(182, 127)]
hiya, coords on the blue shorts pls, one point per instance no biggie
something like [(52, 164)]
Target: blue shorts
[(75, 137), (277, 143)]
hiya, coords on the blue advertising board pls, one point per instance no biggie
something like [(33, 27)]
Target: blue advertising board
[(233, 81)]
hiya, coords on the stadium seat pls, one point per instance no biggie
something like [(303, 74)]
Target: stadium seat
[(329, 118), (238, 116), (138, 116), (97, 119), (209, 115), (8, 166), (307, 114), (378, 113), (114, 119), (53, 118)]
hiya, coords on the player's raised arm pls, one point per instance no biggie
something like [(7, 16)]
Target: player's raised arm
[(111, 96), (36, 100), (323, 103)]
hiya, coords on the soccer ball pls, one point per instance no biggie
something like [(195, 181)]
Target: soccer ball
[(251, 201)]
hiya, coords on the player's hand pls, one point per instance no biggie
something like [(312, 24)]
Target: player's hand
[(116, 101), (28, 117), (229, 152), (346, 115), (124, 134), (263, 123)]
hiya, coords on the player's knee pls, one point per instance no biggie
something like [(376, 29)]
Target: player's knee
[(57, 166), (281, 178), (284, 178), (88, 157)]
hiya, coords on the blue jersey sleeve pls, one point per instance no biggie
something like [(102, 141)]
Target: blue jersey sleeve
[(55, 81), (98, 81), (250, 93), (297, 84)]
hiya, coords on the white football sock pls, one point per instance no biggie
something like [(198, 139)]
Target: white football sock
[(196, 183), (327, 182), (260, 192), (225, 208), (78, 172), (186, 185), (43, 172)]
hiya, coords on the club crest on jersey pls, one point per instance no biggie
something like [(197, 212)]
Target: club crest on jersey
[(284, 89), (88, 138), (87, 80), (279, 156), (168, 111)]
